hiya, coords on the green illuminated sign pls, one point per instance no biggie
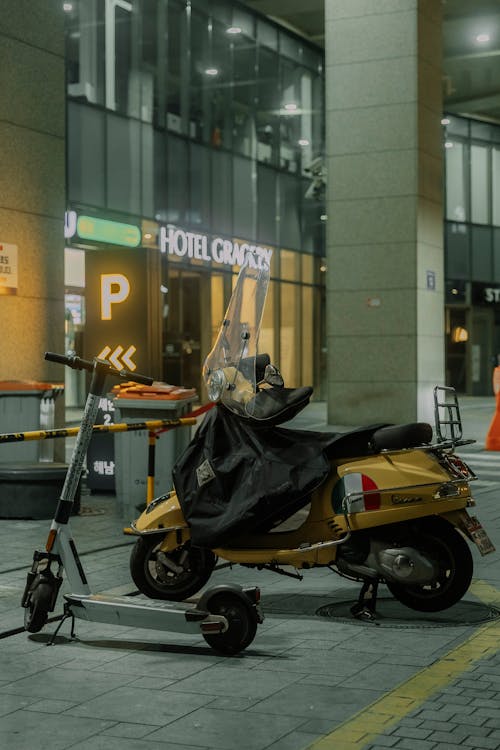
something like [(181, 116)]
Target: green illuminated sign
[(112, 232)]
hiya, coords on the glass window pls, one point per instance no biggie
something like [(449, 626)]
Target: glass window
[(307, 269), (244, 198), (307, 357), (267, 329), (267, 34), (290, 334), (290, 265), (268, 106), (177, 179), (496, 255), (203, 73), (177, 117), (479, 184), (266, 198), (291, 116), (123, 163), (457, 126), (86, 176), (199, 181), (481, 254), (147, 169), (457, 251), (456, 201), (219, 87), (244, 93), (160, 176), (495, 187), (290, 211), (222, 193)]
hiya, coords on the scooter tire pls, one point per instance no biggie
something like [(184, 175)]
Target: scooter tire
[(441, 541), (242, 624), (37, 612), (173, 587)]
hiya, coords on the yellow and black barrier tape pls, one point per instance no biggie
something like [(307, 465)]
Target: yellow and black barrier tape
[(151, 425)]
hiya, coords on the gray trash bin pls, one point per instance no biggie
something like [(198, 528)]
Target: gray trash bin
[(131, 448), (26, 406)]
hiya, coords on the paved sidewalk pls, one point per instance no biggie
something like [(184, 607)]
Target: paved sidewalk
[(307, 681)]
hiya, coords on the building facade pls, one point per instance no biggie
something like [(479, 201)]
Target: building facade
[(199, 127)]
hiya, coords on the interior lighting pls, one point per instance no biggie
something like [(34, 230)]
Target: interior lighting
[(445, 121), (148, 236), (67, 7), (323, 217), (483, 38), (291, 107), (234, 30), (303, 142), (459, 335), (211, 72), (448, 144), (163, 289), (322, 268), (454, 291)]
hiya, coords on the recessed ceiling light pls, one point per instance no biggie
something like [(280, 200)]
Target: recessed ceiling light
[(482, 38), (448, 144), (291, 107), (303, 142), (445, 121), (211, 72), (67, 7), (233, 30)]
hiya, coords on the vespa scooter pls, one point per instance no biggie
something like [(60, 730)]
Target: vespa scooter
[(379, 504), (226, 616)]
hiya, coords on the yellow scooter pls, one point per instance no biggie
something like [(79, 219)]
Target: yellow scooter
[(379, 504)]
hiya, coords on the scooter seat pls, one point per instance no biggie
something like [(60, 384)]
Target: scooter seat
[(401, 436)]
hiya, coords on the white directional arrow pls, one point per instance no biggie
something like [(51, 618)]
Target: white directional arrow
[(114, 357)]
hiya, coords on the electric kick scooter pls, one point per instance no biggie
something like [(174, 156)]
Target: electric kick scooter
[(226, 615)]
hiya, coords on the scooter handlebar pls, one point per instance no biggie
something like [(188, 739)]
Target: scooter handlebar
[(77, 363)]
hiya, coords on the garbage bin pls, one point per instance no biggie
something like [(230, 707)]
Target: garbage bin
[(138, 404), (26, 406)]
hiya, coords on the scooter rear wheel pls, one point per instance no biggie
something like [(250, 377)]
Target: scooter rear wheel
[(438, 540), (37, 612), (150, 571), (241, 621)]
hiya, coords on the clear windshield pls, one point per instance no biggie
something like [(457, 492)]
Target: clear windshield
[(229, 369)]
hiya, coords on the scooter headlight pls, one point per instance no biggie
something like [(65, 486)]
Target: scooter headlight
[(216, 384)]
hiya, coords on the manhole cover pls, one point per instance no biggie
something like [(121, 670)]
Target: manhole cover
[(392, 614), (87, 510)]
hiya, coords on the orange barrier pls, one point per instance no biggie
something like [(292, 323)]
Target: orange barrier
[(492, 442)]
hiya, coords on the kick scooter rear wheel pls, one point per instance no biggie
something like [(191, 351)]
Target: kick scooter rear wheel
[(241, 619)]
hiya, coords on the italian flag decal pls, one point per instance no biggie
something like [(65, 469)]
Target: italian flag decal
[(355, 485)]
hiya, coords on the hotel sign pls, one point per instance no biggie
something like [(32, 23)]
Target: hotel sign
[(184, 244), (8, 268)]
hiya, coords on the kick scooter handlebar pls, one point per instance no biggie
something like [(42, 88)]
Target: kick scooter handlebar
[(77, 363)]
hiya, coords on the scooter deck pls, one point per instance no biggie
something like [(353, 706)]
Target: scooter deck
[(154, 614)]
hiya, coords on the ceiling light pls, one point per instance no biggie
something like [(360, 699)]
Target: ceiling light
[(448, 144), (148, 236), (323, 217), (211, 72), (303, 142), (482, 38), (67, 7), (291, 107), (233, 30), (445, 121)]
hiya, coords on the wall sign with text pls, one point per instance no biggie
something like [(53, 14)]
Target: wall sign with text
[(8, 268)]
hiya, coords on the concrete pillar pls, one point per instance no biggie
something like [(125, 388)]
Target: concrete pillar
[(32, 184), (385, 297)]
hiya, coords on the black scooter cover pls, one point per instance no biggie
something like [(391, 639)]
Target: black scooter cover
[(232, 478)]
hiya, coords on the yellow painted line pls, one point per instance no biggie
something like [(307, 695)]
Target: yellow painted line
[(387, 711)]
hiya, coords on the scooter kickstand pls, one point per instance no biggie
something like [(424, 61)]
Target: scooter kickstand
[(364, 609), (67, 614)]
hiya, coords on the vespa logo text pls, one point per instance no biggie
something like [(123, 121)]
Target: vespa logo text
[(405, 499)]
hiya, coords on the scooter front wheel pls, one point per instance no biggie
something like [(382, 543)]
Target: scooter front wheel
[(438, 540), (242, 624), (37, 612), (172, 575)]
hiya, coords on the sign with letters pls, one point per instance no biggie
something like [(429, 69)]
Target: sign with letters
[(117, 308), (8, 268)]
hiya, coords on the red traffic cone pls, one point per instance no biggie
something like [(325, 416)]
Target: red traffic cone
[(492, 442)]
